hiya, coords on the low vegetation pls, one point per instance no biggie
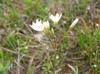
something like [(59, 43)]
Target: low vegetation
[(49, 37)]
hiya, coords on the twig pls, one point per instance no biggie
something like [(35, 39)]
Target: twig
[(13, 52)]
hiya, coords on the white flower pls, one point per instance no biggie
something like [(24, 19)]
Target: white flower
[(57, 57), (95, 65), (46, 24), (39, 25), (97, 25), (55, 18), (74, 22)]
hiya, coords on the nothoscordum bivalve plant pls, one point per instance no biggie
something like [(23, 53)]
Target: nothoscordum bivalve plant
[(55, 18), (74, 23), (40, 25)]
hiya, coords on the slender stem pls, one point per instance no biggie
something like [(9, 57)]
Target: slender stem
[(18, 61)]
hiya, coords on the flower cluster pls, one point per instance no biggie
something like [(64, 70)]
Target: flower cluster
[(40, 25)]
